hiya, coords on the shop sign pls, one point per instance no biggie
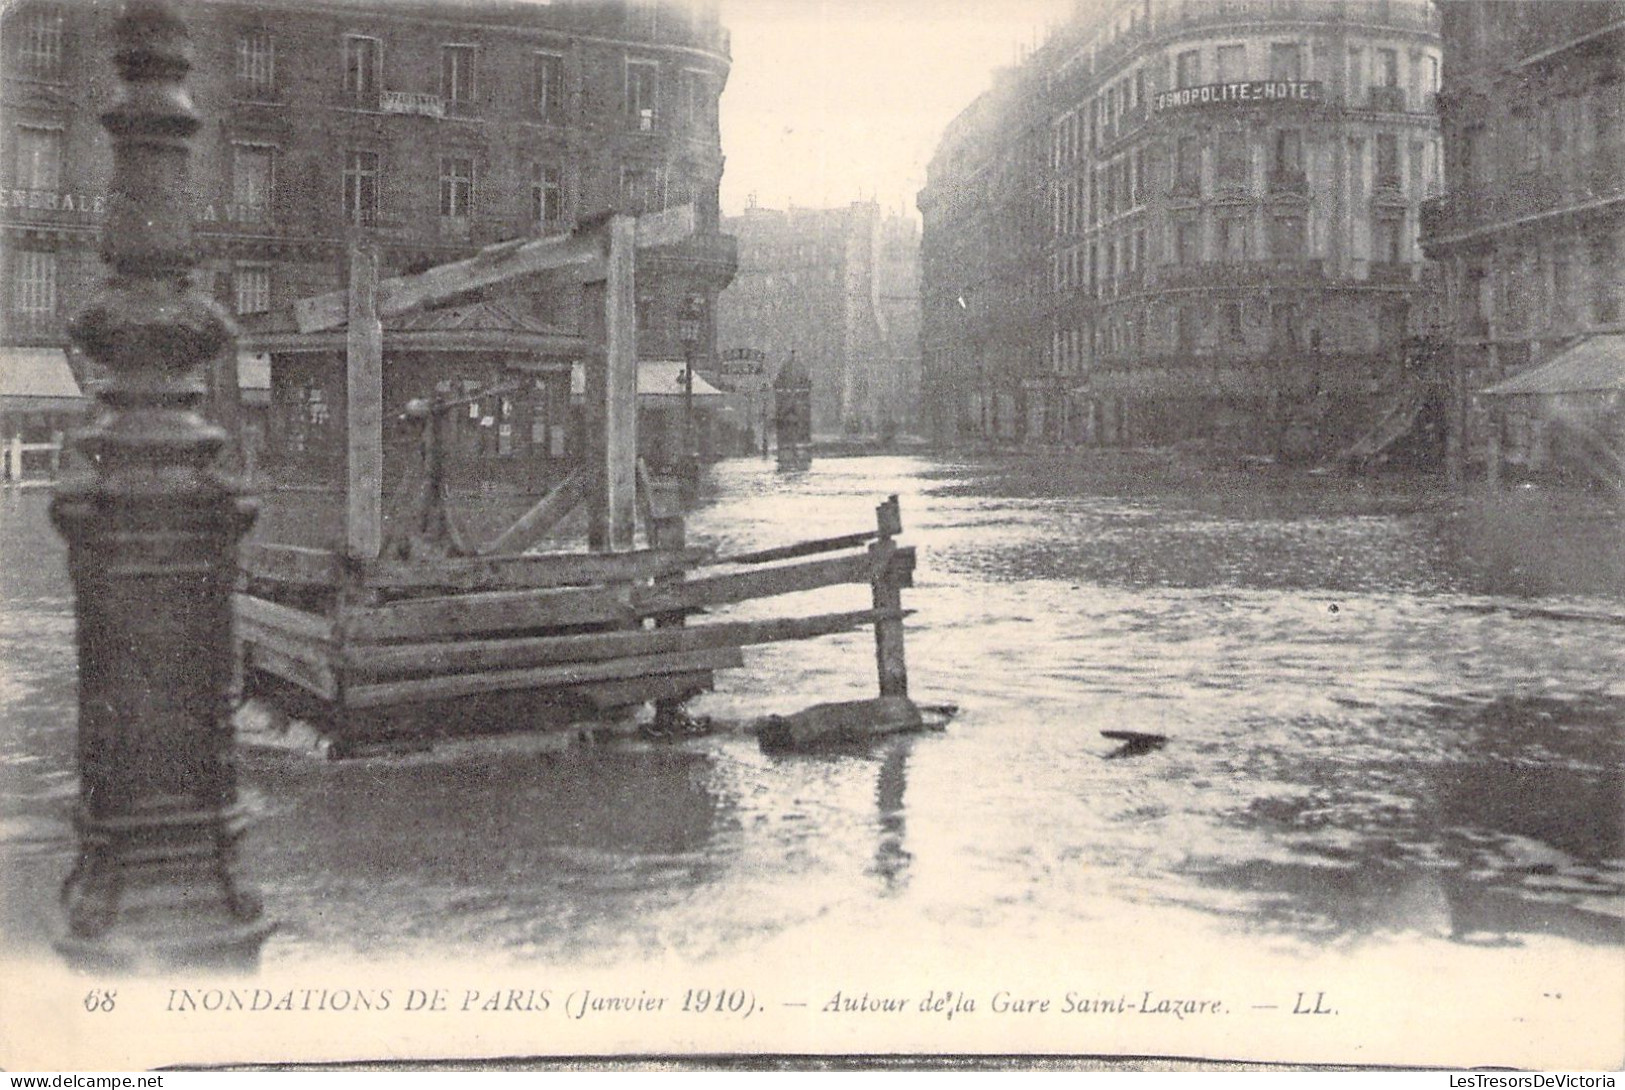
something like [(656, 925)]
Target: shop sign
[(411, 102), (45, 200)]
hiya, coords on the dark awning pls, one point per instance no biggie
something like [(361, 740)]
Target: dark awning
[(1594, 366)]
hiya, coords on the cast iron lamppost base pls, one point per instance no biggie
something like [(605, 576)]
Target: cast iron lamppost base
[(152, 532)]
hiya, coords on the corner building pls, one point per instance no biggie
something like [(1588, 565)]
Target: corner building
[(424, 129), (1234, 198), (1530, 237)]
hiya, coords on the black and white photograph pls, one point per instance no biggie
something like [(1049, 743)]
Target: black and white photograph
[(812, 533)]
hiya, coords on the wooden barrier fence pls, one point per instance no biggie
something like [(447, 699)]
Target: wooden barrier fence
[(609, 629)]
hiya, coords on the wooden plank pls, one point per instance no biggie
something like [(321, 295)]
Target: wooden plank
[(534, 571), (489, 611), (641, 690), (317, 678), (548, 512), (492, 265), (890, 665), (284, 618), (766, 583), (460, 685), (291, 564), (364, 411), (468, 656), (612, 394), (305, 648), (803, 548)]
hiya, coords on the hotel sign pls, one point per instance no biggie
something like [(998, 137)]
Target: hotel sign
[(1260, 92), (410, 102)]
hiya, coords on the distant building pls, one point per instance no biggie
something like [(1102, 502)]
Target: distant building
[(840, 288), (426, 129), (1225, 242), (1531, 235)]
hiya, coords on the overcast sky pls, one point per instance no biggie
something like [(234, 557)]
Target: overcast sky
[(833, 100)]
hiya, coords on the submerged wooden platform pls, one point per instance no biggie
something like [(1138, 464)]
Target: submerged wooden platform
[(390, 648)]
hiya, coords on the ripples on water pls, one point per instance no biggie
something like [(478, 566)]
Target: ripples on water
[(1388, 712)]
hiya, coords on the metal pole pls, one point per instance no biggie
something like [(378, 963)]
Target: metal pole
[(152, 533), (691, 458)]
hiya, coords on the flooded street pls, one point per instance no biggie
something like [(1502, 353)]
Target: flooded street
[(1394, 722)]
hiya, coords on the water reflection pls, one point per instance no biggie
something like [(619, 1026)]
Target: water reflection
[(891, 857), (1387, 712)]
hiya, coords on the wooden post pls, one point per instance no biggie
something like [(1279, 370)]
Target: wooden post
[(364, 417), (612, 390), (152, 531), (888, 595)]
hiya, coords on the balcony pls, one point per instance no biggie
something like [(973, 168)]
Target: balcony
[(1390, 272), (1289, 183), (1388, 100), (1221, 274), (714, 257)]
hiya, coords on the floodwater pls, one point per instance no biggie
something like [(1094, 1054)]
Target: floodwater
[(1389, 712)]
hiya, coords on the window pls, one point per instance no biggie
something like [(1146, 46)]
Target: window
[(1356, 74), (1233, 239), (253, 288), (39, 158), (34, 291), (1187, 326), (457, 63), (1188, 165), (643, 189), (1188, 69), (1387, 161), (1388, 240), (1387, 74), (1287, 175), (1235, 159), (361, 188), (1286, 61), (39, 44), (1287, 238), (1232, 63), (1284, 332), (361, 56), (456, 187), (546, 195), (696, 96), (642, 85), (1188, 242), (256, 63), (252, 175), (643, 17), (1230, 315), (547, 91)]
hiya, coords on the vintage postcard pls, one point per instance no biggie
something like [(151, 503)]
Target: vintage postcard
[(635, 529)]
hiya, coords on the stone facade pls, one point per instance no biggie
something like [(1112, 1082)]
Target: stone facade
[(840, 288), (1225, 240), (1531, 235), (426, 129)]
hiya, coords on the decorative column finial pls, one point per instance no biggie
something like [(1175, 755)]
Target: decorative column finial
[(152, 530)]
